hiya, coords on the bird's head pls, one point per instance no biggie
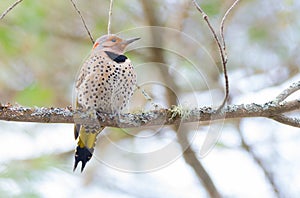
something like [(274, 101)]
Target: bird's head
[(112, 43)]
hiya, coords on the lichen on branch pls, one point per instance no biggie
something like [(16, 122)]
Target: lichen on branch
[(272, 110)]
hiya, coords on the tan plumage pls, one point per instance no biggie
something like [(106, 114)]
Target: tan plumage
[(105, 83)]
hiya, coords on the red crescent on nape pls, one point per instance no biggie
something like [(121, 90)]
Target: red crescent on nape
[(95, 45)]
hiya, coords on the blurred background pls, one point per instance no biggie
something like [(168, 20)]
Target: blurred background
[(43, 44)]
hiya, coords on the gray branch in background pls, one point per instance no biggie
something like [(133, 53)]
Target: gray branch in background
[(268, 173), (157, 55)]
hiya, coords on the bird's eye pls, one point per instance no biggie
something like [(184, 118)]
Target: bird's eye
[(113, 40)]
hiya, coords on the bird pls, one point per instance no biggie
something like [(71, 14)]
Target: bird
[(105, 83)]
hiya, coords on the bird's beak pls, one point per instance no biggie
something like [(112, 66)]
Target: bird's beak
[(128, 41)]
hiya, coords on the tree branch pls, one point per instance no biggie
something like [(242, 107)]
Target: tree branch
[(171, 116), (83, 22)]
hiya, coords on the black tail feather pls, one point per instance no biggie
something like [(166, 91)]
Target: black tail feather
[(84, 155)]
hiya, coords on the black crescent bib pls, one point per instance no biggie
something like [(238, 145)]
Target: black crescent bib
[(116, 57)]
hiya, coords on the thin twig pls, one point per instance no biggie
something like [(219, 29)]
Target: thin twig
[(109, 17), (145, 94), (83, 21), (222, 54), (287, 92), (205, 17), (222, 26), (224, 63), (9, 9)]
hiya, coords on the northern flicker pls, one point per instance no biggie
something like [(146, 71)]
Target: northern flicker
[(105, 84)]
